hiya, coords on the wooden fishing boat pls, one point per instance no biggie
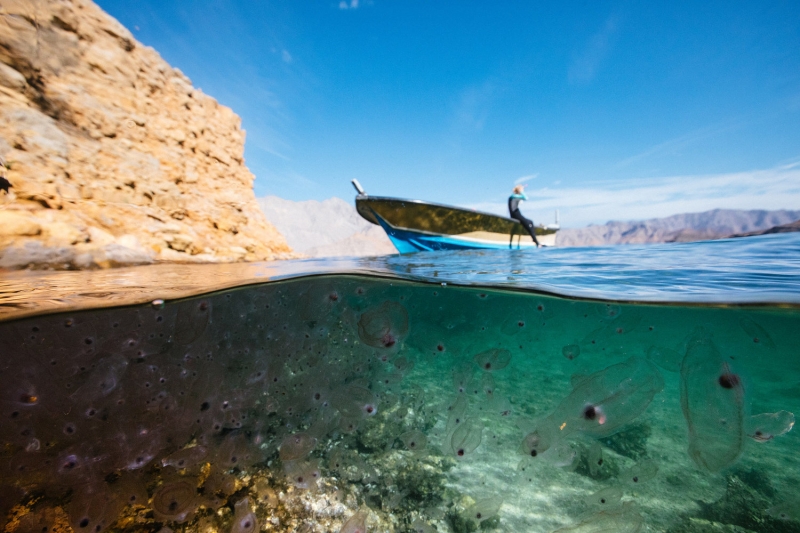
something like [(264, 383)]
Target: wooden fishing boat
[(415, 226)]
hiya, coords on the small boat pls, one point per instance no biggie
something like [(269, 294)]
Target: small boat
[(417, 226)]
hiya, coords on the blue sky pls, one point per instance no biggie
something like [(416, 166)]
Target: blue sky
[(608, 110)]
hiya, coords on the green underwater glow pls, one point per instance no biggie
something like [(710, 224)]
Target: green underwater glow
[(338, 403)]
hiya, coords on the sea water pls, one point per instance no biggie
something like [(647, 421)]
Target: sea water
[(612, 389)]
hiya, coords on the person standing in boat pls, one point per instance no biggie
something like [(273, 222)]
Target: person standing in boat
[(517, 196)]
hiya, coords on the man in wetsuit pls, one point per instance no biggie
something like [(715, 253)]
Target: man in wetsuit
[(516, 197)]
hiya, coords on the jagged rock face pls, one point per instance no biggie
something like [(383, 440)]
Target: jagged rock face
[(112, 156)]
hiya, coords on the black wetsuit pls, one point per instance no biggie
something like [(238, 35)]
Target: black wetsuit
[(513, 210)]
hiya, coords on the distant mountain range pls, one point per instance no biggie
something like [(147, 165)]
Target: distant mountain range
[(333, 228), (716, 224)]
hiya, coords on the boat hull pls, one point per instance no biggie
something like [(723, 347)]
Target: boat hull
[(415, 226)]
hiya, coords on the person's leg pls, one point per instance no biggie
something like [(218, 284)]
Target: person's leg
[(527, 224)]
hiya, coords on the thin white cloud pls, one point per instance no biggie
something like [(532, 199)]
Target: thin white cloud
[(473, 106), (585, 65), (525, 179), (286, 56), (352, 5), (677, 144), (775, 188)]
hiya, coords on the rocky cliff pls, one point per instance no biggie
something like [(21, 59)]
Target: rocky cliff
[(111, 155)]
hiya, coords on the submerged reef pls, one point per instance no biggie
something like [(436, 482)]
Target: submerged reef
[(343, 403)]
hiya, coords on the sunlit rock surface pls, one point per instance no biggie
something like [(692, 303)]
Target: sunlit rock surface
[(352, 403), (112, 156)]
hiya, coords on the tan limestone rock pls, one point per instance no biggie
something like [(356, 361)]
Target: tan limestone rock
[(113, 157)]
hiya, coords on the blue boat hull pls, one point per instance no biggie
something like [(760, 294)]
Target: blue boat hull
[(408, 241)]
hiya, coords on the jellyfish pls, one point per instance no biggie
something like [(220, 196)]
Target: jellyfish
[(419, 526), (244, 519), (414, 440), (606, 497), (767, 426), (296, 446), (103, 379), (466, 437), (787, 510), (483, 509), (713, 404), (186, 457), (757, 334), (93, 509), (175, 501), (456, 412), (384, 326), (620, 519), (493, 360), (594, 458), (191, 321), (461, 377), (544, 435), (669, 360), (571, 351), (355, 401), (644, 470), (303, 474), (603, 402), (355, 524)]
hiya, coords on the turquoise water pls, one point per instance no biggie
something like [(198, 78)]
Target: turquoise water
[(606, 389)]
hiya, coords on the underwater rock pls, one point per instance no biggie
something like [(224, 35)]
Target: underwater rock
[(713, 403)]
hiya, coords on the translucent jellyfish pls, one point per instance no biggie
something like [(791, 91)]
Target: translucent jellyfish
[(191, 321), (216, 489), (788, 510), (466, 437), (487, 386), (605, 401), (492, 360), (461, 377), (355, 401), (244, 519), (176, 501), (669, 360), (538, 441), (565, 455), (93, 509), (606, 497), (297, 446), (131, 489), (483, 509), (644, 470), (303, 474), (414, 440), (102, 380), (713, 404), (594, 458), (186, 458), (384, 326), (767, 426), (355, 524), (757, 334), (621, 519), (571, 351), (456, 412)]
